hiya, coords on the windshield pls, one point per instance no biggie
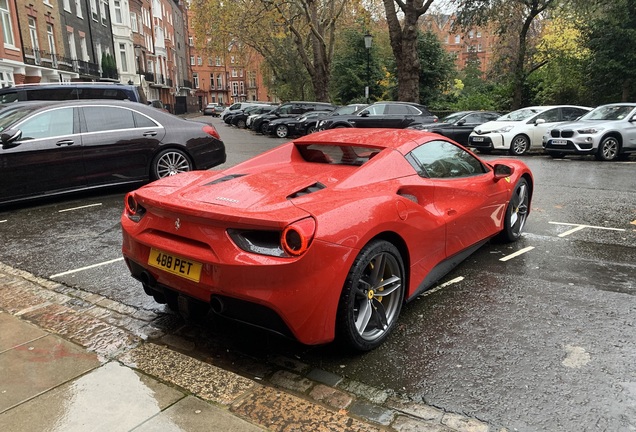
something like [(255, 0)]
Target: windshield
[(9, 116), (613, 112), (453, 117), (520, 115)]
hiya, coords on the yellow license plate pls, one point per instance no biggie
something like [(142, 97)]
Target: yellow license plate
[(176, 265)]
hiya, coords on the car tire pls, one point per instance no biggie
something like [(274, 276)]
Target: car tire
[(281, 131), (240, 124), (263, 128), (519, 145), (310, 130), (608, 149), (371, 300), (516, 213), (170, 162)]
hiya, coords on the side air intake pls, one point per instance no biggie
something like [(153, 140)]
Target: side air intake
[(224, 179), (306, 191)]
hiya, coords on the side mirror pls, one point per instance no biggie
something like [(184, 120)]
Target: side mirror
[(461, 122), (539, 121), (9, 136), (364, 114), (503, 171), (633, 119)]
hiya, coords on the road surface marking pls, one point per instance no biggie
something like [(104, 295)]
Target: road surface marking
[(79, 208), (516, 254), (3, 221), (579, 227), (86, 268), (444, 285)]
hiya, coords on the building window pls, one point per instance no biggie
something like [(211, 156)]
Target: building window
[(71, 43), (219, 81), (133, 22), (191, 41), (232, 59), (102, 11), (211, 81), (67, 5), (6, 77), (234, 88), (84, 49), (471, 34), (195, 80), (51, 39), (118, 17), (218, 61), (199, 61), (242, 85), (192, 61), (7, 28), (234, 73), (478, 34), (457, 39), (122, 57), (94, 9), (210, 61), (479, 49), (78, 8), (34, 40)]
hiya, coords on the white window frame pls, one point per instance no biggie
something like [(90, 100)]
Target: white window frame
[(192, 61), (78, 9), (67, 5), (50, 34), (123, 57), (84, 49), (6, 78), (94, 9), (199, 61), (119, 17), (133, 22), (102, 11), (7, 24), (219, 81), (195, 80)]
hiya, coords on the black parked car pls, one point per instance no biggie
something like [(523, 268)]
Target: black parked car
[(459, 125), (229, 115), (303, 125), (239, 120), (48, 148), (71, 91), (396, 115), (288, 109)]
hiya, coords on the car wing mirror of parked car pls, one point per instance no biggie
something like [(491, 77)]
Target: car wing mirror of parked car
[(364, 114), (461, 122), (503, 171), (539, 121), (9, 137), (633, 119)]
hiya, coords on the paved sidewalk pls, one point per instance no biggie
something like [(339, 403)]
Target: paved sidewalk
[(76, 361)]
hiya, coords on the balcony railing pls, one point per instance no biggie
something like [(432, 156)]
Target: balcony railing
[(42, 58), (187, 84)]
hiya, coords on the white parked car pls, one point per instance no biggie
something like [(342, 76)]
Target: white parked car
[(522, 130), (608, 132)]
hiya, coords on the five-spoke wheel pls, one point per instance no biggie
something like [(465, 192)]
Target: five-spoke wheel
[(608, 149), (517, 212), (372, 297), (282, 131)]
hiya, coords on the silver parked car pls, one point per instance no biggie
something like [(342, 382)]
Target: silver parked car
[(608, 132)]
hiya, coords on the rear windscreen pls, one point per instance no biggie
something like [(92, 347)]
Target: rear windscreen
[(337, 154)]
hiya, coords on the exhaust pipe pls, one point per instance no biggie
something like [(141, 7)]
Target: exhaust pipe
[(147, 279), (217, 305)]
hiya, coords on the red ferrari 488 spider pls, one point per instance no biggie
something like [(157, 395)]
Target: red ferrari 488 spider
[(323, 237)]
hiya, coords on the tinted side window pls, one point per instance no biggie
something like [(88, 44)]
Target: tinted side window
[(473, 119), (100, 118), (570, 114), (59, 93), (143, 121), (549, 115), (53, 123), (376, 109), (441, 159), (397, 109)]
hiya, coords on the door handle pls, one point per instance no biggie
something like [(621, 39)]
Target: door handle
[(150, 133), (451, 212), (64, 142)]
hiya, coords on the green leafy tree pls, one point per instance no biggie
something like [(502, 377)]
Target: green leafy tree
[(610, 36), (436, 68)]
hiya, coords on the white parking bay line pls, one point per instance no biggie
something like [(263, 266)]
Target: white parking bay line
[(516, 254), (444, 285), (579, 227), (86, 268), (3, 221), (79, 208)]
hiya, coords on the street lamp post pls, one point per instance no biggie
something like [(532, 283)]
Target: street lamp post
[(368, 39)]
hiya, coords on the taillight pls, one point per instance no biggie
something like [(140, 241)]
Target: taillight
[(211, 130), (134, 210), (297, 237)]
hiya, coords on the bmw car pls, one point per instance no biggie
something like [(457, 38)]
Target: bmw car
[(608, 132), (325, 237), (50, 148)]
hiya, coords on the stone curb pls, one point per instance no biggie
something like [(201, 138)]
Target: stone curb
[(289, 395)]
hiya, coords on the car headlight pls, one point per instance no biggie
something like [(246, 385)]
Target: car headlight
[(589, 131), (503, 129)]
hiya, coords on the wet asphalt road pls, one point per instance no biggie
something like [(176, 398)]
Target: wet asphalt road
[(542, 341)]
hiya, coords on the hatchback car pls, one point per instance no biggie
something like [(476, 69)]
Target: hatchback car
[(459, 125), (608, 132), (523, 129), (395, 115), (48, 148)]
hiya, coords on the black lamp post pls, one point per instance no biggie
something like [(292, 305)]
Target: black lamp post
[(368, 39)]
